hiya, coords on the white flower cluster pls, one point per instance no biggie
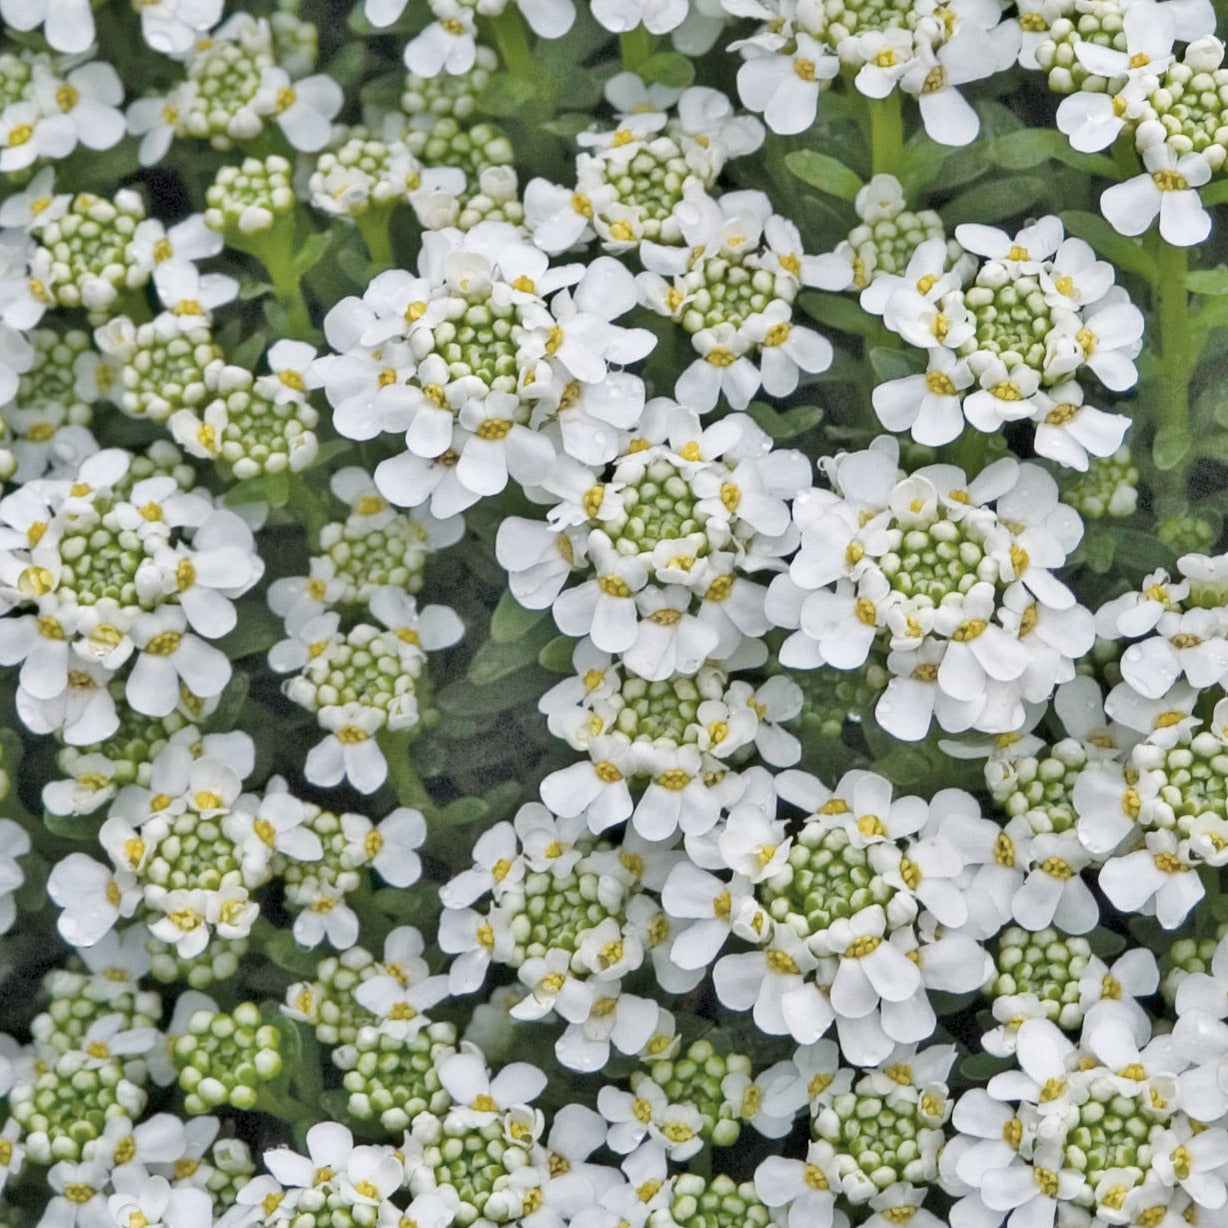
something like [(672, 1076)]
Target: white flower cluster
[(918, 47), (1007, 341), (1120, 71), (472, 362), (952, 579), (98, 577)]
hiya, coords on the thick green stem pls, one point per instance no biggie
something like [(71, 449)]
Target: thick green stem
[(274, 248), (886, 134), (405, 782), (636, 47), (1170, 302)]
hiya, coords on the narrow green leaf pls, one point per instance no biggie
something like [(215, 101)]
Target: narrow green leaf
[(556, 656), (824, 172), (836, 311), (1207, 281), (888, 364), (311, 251), (495, 659), (787, 425), (1031, 147), (511, 620), (991, 202)]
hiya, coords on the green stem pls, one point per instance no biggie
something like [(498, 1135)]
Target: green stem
[(886, 134), (405, 781), (636, 47), (1170, 302), (373, 226), (513, 42), (274, 248)]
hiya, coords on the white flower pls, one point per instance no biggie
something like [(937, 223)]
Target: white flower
[(92, 898), (785, 88), (304, 109), (68, 25), (1169, 188), (350, 751)]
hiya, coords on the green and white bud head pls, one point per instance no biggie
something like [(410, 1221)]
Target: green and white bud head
[(250, 197), (711, 1202), (1108, 488)]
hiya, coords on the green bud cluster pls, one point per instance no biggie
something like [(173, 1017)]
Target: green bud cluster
[(1113, 1130), (830, 699), (328, 1002), (1192, 106), (694, 1078), (226, 76), (233, 1167), (190, 851), (1012, 316), (51, 383), (726, 288), (392, 1081), (885, 246), (224, 1058), (471, 149), (160, 458), (252, 428), (933, 561), (711, 1202), (1188, 534), (367, 666), (825, 878), (340, 867), (481, 337), (365, 172), (70, 1101), (648, 187), (100, 559), (1048, 965), (475, 1163), (88, 256), (661, 712), (1193, 782), (881, 1139), (1039, 786), (557, 911), (250, 197), (445, 96), (17, 74), (495, 199), (370, 552), (657, 504), (296, 43), (1185, 956), (1108, 488), (79, 999), (218, 962), (1096, 21), (164, 368)]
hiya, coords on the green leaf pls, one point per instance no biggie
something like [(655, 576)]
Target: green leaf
[(1099, 549), (836, 311), (1216, 194), (1172, 445), (311, 251), (669, 68), (991, 202), (981, 1067), (464, 811), (356, 265), (495, 660), (1031, 147), (511, 620), (826, 173), (787, 425), (520, 688), (888, 364), (1124, 252), (568, 124), (258, 629), (505, 94), (556, 656), (254, 289), (1207, 281)]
